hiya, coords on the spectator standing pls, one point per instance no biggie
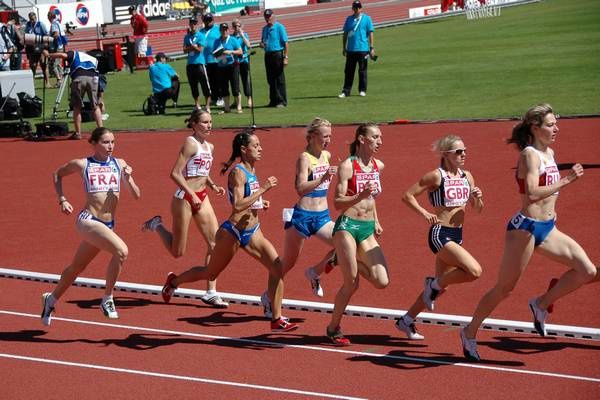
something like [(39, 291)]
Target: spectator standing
[(57, 33), (165, 82), (198, 7), (357, 47), (6, 48), (194, 43), (34, 52), (244, 62), (84, 79), (211, 35), (275, 42), (139, 23), (12, 32), (226, 48)]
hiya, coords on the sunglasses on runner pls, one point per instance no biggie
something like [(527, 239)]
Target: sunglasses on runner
[(458, 152)]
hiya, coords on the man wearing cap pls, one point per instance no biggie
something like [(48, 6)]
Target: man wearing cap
[(194, 44), (275, 42), (357, 47), (34, 52), (165, 82), (139, 23), (211, 35)]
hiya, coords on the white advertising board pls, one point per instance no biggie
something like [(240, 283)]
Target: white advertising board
[(84, 14)]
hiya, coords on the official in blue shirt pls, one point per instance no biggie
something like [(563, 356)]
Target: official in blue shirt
[(165, 82), (194, 44), (275, 42), (357, 44), (211, 34), (226, 49)]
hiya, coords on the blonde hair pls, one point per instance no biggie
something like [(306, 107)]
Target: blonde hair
[(315, 125), (445, 143)]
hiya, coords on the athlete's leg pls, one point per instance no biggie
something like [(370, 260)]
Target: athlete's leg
[(262, 250), (207, 224), (292, 246), (563, 249), (176, 241), (345, 248), (226, 245), (100, 236), (372, 265), (466, 268), (83, 256), (325, 234), (518, 248)]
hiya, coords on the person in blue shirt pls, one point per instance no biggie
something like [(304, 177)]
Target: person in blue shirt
[(357, 47), (34, 52), (226, 49), (244, 62), (211, 34), (165, 82), (60, 40), (275, 42), (194, 44)]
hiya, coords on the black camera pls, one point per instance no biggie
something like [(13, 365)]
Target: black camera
[(69, 27)]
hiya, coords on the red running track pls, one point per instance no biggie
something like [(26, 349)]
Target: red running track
[(380, 364)]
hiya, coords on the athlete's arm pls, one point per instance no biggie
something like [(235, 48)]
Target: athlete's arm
[(430, 181), (530, 161), (128, 178), (476, 194), (71, 167), (237, 180), (341, 200)]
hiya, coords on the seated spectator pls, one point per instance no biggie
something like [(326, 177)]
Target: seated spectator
[(165, 82)]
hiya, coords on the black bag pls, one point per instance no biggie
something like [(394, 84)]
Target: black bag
[(51, 129), (15, 129), (151, 106), (87, 112), (31, 107), (10, 108)]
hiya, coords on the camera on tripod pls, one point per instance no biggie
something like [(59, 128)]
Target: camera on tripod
[(38, 41)]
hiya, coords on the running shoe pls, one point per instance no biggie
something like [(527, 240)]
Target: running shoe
[(152, 224), (430, 294), (214, 300), (342, 95), (539, 317), (337, 337), (315, 282), (469, 347), (553, 282), (331, 263), (266, 303), (108, 308), (362, 94), (47, 311), (409, 329), (283, 325), (168, 289)]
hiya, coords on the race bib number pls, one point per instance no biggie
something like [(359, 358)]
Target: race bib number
[(102, 178), (517, 220), (363, 178), (258, 204), (456, 192), (318, 172)]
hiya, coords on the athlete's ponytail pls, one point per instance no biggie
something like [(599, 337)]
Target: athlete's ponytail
[(521, 133), (362, 130), (241, 139)]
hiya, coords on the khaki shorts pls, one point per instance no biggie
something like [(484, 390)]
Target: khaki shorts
[(82, 85)]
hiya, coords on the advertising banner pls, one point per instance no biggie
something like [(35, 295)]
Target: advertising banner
[(152, 9), (84, 14), (284, 3), (230, 6)]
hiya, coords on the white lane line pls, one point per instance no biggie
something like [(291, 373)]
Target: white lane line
[(315, 348), (178, 377)]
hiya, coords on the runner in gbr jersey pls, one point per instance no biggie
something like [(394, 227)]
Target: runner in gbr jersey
[(450, 189), (533, 227), (191, 174), (310, 215), (354, 231), (242, 228), (102, 175)]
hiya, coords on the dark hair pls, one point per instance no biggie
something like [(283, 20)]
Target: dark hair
[(97, 134), (362, 130), (241, 139), (521, 133), (195, 117)]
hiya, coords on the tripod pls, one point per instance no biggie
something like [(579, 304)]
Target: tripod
[(253, 126), (61, 92)]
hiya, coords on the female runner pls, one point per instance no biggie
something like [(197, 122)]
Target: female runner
[(191, 174), (450, 188), (102, 175), (242, 229), (310, 215), (354, 232), (533, 228)]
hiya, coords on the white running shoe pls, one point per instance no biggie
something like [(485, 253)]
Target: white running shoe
[(152, 224), (214, 300), (409, 330), (220, 102), (539, 317), (47, 311), (342, 95), (108, 308), (362, 94), (469, 347), (315, 283)]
